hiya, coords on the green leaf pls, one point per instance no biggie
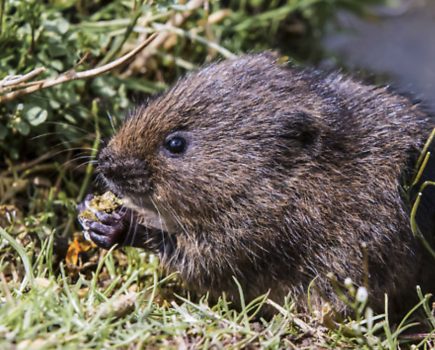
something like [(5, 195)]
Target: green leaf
[(103, 88), (59, 25), (22, 127), (70, 118), (62, 25), (57, 64), (36, 115), (3, 132)]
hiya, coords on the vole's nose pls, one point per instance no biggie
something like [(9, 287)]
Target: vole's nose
[(108, 165), (127, 173)]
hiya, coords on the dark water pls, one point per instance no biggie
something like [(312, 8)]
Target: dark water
[(399, 42)]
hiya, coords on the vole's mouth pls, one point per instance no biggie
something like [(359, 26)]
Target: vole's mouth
[(150, 215)]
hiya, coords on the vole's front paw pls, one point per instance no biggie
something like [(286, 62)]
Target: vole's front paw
[(104, 229)]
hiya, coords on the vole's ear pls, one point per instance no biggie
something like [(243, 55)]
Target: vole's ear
[(302, 130)]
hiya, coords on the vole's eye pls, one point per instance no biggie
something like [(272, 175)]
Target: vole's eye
[(176, 144)]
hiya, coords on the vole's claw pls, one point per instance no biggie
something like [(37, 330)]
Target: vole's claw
[(81, 207), (102, 241), (84, 204), (105, 236), (106, 229)]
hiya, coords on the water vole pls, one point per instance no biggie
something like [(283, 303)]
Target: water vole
[(273, 175)]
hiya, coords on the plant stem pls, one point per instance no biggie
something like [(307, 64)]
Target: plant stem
[(2, 12), (22, 253), (120, 42), (96, 144)]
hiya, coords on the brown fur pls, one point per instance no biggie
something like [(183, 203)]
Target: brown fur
[(286, 174)]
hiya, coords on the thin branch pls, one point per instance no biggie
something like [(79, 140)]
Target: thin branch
[(10, 82), (73, 75), (26, 165)]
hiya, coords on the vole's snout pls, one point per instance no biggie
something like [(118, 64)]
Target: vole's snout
[(107, 166), (123, 175)]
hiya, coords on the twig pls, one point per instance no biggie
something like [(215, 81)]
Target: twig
[(15, 80), (73, 75), (26, 165)]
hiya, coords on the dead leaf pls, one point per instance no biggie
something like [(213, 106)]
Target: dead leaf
[(77, 246)]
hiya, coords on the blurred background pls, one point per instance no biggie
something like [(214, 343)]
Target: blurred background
[(396, 42)]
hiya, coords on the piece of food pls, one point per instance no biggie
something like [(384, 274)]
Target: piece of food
[(106, 202)]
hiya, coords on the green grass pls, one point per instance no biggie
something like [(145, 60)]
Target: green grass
[(119, 299)]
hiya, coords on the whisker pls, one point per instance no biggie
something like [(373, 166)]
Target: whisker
[(98, 180), (175, 216), (81, 155), (46, 134), (111, 121), (75, 159), (130, 229), (69, 125), (70, 149), (160, 219), (175, 252), (62, 143), (82, 165)]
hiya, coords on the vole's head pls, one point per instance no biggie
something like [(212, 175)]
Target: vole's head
[(214, 140)]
